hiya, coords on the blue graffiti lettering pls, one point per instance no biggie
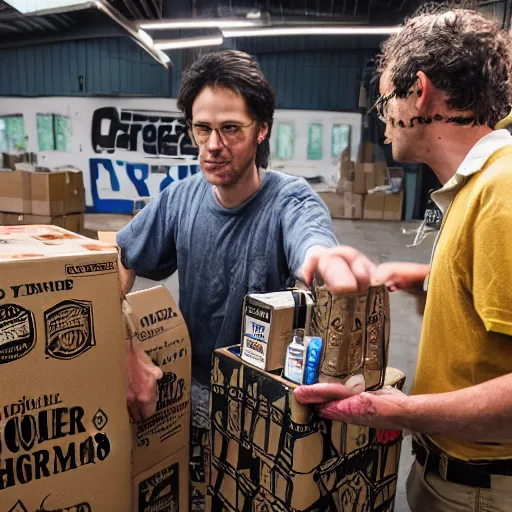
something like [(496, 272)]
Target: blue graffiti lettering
[(137, 173)]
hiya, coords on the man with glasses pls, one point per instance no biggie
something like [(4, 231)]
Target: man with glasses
[(446, 81), (234, 228)]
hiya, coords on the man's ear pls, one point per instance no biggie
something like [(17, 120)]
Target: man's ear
[(424, 92), (262, 132)]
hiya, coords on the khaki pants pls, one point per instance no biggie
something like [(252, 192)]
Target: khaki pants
[(430, 493)]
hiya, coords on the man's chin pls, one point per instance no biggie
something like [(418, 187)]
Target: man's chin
[(219, 179)]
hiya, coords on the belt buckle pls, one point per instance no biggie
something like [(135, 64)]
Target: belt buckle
[(443, 465)]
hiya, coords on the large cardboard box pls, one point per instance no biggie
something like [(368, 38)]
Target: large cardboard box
[(268, 322), (334, 203), (359, 179), (381, 173), (65, 435), (165, 487), (163, 335), (393, 206), (57, 193), (267, 452), (374, 206), (15, 191), (51, 194), (71, 222)]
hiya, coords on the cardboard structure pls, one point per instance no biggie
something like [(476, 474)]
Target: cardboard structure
[(161, 443), (355, 328), (269, 453), (65, 435)]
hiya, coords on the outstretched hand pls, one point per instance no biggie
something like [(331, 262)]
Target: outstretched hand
[(383, 409)]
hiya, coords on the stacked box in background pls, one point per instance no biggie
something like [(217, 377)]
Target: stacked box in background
[(31, 197), (268, 452), (161, 443), (64, 428), (357, 195)]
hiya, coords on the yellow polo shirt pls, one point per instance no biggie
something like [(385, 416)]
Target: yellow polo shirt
[(467, 327)]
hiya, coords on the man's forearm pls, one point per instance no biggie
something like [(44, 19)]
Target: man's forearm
[(126, 278), (478, 413)]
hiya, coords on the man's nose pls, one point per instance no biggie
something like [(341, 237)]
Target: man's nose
[(214, 141)]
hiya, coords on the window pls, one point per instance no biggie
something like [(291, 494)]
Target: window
[(315, 141), (340, 139), (12, 133), (54, 132), (285, 140)]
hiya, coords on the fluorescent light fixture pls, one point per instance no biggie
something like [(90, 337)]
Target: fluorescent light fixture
[(190, 42), (307, 31), (145, 37), (164, 58), (42, 6), (198, 23)]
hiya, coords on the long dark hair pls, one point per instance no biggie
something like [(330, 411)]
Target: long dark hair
[(240, 73)]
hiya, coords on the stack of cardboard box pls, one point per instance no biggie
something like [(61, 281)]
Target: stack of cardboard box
[(355, 196), (56, 197)]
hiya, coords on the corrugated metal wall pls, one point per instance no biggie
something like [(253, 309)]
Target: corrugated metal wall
[(109, 66), (317, 75), (315, 80)]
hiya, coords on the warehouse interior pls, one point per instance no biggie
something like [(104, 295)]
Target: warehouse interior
[(91, 133)]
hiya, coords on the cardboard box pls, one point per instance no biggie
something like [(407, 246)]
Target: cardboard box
[(374, 206), (344, 186), (165, 487), (356, 206), (370, 179), (334, 203), (72, 222), (268, 322), (64, 429), (162, 333), (359, 179), (57, 193), (267, 452), (51, 194), (366, 153), (381, 173), (15, 191), (355, 328), (393, 206)]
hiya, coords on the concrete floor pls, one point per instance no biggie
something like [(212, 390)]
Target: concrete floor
[(381, 241)]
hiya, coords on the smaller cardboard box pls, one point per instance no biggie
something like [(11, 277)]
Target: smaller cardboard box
[(334, 203), (344, 186), (161, 330), (164, 487), (359, 186), (72, 222), (15, 191), (374, 206), (57, 193), (355, 206), (393, 206), (268, 323)]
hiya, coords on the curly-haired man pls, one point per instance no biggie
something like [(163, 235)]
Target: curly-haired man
[(446, 82)]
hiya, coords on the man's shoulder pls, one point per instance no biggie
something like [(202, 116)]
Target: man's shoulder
[(496, 176), (287, 184)]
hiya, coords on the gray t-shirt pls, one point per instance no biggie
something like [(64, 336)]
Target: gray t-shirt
[(223, 254)]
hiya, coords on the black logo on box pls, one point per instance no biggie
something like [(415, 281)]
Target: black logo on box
[(104, 267), (17, 332), (160, 492), (100, 419), (18, 507), (81, 507), (69, 329)]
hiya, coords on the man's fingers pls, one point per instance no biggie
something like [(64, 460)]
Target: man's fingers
[(363, 270), (337, 274), (309, 268), (321, 393)]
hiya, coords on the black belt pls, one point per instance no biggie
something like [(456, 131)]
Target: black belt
[(472, 474)]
